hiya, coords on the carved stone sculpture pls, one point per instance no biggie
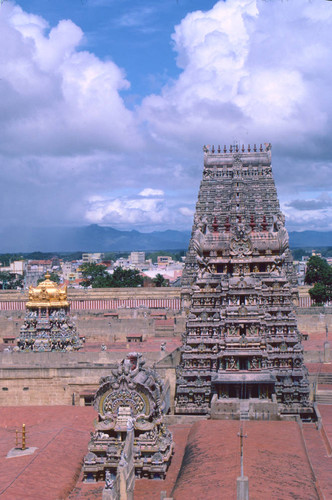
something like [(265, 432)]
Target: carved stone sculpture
[(131, 399), (243, 311)]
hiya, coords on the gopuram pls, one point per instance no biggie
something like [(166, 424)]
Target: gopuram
[(132, 398), (47, 326), (242, 354)]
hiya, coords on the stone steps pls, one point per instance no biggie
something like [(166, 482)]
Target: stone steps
[(324, 397), (244, 410), (325, 378)]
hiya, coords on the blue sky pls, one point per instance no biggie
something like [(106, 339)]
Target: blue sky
[(136, 35), (105, 106)]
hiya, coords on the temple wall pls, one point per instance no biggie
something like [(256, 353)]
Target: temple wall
[(107, 315), (51, 378), (314, 319), (96, 322)]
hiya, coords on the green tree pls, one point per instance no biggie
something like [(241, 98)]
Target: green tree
[(7, 258), (125, 278), (318, 271), (53, 277), (318, 293), (93, 273), (96, 276), (160, 281), (10, 281)]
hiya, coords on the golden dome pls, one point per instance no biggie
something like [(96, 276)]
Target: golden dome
[(47, 294)]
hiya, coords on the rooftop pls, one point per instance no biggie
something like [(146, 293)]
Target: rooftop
[(205, 465)]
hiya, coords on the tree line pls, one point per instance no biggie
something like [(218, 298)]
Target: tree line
[(96, 276), (319, 274)]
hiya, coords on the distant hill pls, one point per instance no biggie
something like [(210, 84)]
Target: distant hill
[(91, 238), (302, 239), (96, 238)]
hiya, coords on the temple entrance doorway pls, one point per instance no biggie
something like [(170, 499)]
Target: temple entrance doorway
[(244, 391)]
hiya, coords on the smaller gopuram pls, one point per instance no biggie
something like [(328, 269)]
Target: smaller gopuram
[(47, 325), (132, 398)]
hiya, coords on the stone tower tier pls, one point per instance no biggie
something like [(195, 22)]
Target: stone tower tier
[(241, 342)]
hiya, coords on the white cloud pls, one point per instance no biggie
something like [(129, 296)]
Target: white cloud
[(127, 211), (151, 192), (147, 212), (56, 98), (315, 220), (252, 70), (187, 212), (309, 213)]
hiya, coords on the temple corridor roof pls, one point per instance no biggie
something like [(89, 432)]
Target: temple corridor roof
[(205, 465)]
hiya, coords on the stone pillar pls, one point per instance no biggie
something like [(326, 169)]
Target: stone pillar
[(327, 358), (312, 392), (242, 488)]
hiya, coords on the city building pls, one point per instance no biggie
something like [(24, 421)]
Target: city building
[(15, 267), (164, 260), (89, 258), (300, 268), (137, 258)]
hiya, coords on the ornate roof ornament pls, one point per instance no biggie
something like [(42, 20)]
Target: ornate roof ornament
[(47, 294), (131, 399)]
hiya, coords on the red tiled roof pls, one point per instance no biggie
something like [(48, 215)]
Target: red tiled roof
[(40, 262), (274, 460), (205, 465), (61, 434), (164, 322)]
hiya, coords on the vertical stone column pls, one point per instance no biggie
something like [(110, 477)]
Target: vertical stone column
[(242, 488)]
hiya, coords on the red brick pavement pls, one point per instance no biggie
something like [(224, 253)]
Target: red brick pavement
[(326, 414), (147, 489), (319, 367)]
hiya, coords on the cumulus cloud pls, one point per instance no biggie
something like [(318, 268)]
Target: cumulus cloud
[(300, 219), (322, 202), (151, 192), (56, 98), (188, 212), (253, 71), (143, 211), (309, 213), (249, 70)]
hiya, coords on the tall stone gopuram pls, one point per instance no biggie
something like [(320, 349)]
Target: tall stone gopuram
[(242, 354)]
